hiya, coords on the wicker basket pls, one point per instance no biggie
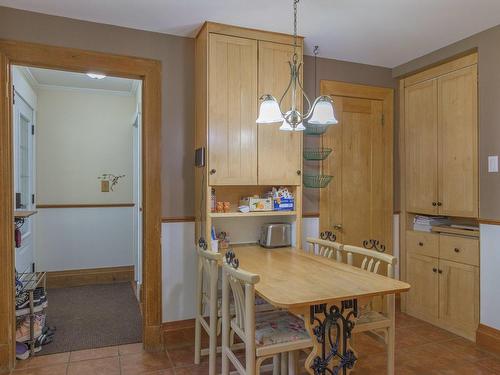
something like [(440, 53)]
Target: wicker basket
[(317, 181), (316, 153)]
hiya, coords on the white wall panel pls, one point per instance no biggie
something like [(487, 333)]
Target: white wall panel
[(490, 275), (78, 238)]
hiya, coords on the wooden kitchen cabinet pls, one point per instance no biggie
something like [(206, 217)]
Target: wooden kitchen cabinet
[(279, 152), (422, 275), (232, 110), (459, 296), (441, 135)]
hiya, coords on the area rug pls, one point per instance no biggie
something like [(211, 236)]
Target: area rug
[(93, 316)]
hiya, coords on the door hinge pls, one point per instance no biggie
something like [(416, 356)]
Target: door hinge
[(32, 129), (32, 198), (13, 94)]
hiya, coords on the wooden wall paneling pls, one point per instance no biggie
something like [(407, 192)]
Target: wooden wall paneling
[(279, 152), (457, 140), (421, 148), (232, 103), (149, 71)]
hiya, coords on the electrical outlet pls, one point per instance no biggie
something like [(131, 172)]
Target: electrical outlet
[(105, 186), (493, 164)]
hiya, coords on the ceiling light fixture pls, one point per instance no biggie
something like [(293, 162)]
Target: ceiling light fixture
[(96, 75), (319, 113)]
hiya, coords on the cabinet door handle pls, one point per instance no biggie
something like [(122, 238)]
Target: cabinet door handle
[(212, 171), (457, 250), (440, 271), (299, 172), (434, 204), (420, 244), (434, 270), (439, 204)]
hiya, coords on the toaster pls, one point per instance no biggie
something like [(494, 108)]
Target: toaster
[(275, 235)]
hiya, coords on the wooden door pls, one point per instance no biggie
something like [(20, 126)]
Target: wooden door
[(421, 140), (354, 205), (232, 108), (422, 274), (279, 152), (458, 163), (459, 295)]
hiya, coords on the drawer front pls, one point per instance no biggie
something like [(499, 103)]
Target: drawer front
[(422, 243), (459, 249)]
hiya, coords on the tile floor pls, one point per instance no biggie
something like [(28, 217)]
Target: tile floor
[(420, 349)]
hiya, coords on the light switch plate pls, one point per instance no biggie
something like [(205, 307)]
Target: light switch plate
[(493, 163)]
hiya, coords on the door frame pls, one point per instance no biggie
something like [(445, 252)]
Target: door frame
[(386, 95), (61, 58)]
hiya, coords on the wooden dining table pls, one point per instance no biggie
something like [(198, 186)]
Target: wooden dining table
[(326, 293)]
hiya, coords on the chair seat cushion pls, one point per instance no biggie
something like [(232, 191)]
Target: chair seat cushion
[(278, 327)]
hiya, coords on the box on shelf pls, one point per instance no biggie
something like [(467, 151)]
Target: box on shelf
[(257, 204), (283, 204)]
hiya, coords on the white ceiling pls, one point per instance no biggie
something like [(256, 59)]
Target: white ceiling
[(378, 32), (47, 78)]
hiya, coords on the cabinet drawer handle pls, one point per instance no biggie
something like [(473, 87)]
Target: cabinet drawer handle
[(212, 171), (420, 244), (457, 250), (434, 270), (299, 172)]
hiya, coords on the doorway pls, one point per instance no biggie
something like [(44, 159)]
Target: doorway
[(148, 71)]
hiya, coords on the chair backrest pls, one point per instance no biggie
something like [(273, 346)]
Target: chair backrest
[(325, 248), (372, 260), (208, 271), (242, 285)]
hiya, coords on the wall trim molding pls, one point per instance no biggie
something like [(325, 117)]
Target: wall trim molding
[(89, 276), (177, 325), (489, 221), (488, 338), (85, 205), (177, 219)]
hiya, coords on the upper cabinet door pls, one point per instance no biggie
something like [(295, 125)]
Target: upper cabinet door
[(280, 152), (421, 140), (457, 116), (232, 110)]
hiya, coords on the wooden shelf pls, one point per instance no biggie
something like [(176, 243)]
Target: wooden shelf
[(23, 214), (252, 214)]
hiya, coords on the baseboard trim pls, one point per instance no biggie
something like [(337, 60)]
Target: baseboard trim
[(89, 276), (488, 338), (177, 325)]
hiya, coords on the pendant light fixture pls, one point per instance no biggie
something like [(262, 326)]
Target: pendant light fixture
[(319, 113)]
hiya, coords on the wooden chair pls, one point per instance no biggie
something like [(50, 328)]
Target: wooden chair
[(209, 296), (370, 320), (325, 248), (265, 334)]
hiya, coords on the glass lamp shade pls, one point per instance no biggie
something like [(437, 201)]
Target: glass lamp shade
[(323, 113), (269, 111)]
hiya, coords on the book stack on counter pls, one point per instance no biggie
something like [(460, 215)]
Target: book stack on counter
[(425, 223)]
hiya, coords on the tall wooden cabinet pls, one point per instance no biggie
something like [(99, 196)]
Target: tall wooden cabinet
[(234, 67), (439, 176), (441, 144)]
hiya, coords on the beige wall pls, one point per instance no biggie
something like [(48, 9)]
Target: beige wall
[(177, 57), (487, 44), (81, 135)]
